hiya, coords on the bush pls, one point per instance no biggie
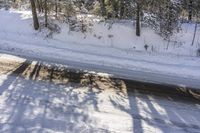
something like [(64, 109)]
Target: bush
[(79, 24), (96, 10), (50, 29)]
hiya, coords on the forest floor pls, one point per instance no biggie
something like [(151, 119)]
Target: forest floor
[(41, 97)]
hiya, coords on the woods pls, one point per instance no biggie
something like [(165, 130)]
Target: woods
[(164, 16)]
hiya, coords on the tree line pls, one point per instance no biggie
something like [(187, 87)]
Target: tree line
[(164, 16)]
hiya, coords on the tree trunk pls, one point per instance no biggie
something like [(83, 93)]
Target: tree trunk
[(103, 8), (38, 5), (115, 8), (56, 8), (138, 28), (34, 13), (190, 6), (195, 32), (122, 8), (45, 13), (60, 7)]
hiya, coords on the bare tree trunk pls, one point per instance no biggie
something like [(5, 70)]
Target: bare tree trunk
[(60, 7), (34, 13), (122, 8), (56, 8), (190, 6), (45, 13), (195, 32), (39, 5), (138, 28)]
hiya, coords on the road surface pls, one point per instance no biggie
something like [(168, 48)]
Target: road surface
[(125, 73), (39, 97)]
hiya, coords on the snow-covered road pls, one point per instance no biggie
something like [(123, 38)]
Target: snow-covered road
[(152, 72), (18, 38), (87, 103)]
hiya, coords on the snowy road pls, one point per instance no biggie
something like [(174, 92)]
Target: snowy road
[(134, 73), (39, 97), (18, 38)]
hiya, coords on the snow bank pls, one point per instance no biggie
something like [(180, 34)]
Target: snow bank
[(17, 25)]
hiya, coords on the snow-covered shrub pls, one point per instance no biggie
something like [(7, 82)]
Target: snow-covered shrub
[(96, 9), (21, 4), (79, 24), (50, 29), (3, 5), (69, 9), (164, 19)]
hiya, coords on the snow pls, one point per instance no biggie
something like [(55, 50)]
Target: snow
[(41, 106), (122, 53)]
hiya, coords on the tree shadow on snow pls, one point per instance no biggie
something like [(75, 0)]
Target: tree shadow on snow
[(46, 104), (156, 108), (38, 97)]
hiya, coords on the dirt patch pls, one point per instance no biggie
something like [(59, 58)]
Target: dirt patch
[(8, 66)]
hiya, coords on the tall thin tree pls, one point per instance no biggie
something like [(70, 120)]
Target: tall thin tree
[(34, 13), (190, 10), (138, 11), (45, 13)]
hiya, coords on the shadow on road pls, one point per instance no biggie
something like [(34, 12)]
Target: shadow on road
[(17, 71), (39, 97), (162, 108)]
